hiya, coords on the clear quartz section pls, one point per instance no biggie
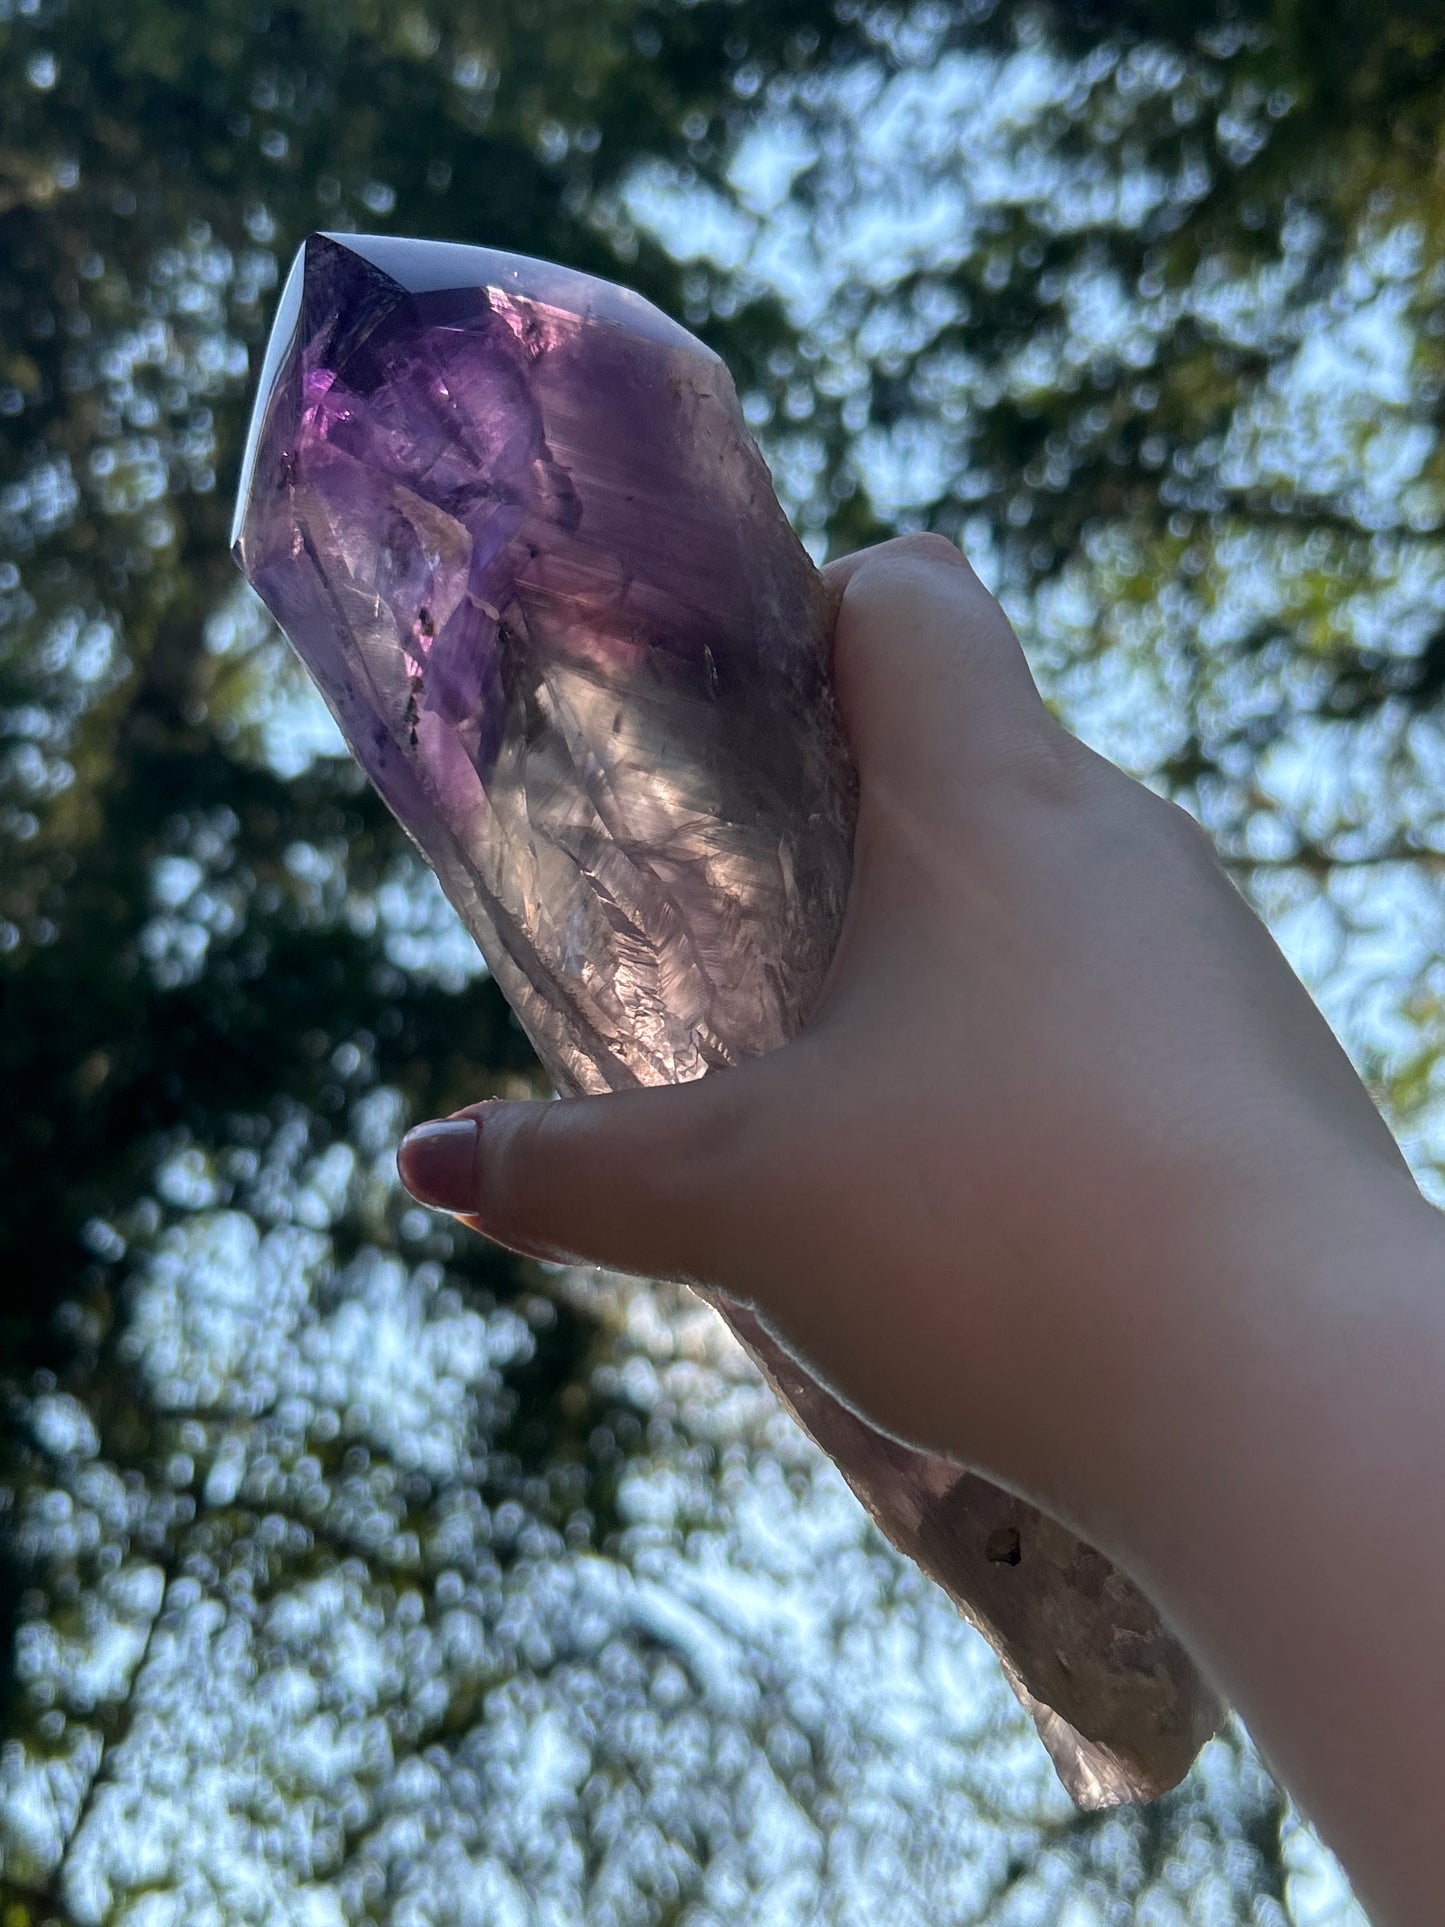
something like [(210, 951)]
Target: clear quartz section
[(512, 520)]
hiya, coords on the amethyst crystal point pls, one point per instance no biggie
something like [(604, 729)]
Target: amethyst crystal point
[(513, 522)]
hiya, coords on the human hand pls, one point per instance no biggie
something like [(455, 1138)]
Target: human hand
[(1059, 1078)]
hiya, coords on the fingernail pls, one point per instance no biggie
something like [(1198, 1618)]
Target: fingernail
[(438, 1163)]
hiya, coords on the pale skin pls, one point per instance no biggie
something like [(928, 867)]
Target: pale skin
[(1068, 1179)]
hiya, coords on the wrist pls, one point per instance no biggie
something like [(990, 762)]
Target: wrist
[(1281, 1340), (1276, 1492), (1245, 1322)]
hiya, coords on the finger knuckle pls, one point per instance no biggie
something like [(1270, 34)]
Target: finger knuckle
[(910, 560), (1184, 828), (1041, 763), (518, 1181), (927, 545), (712, 1152)]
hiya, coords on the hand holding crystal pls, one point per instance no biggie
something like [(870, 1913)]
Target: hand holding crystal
[(1058, 1070), (1060, 1176), (1068, 1180)]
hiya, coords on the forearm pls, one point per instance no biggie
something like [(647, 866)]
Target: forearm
[(1278, 1483)]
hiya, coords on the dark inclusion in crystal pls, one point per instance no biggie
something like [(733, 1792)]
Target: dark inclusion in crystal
[(513, 522)]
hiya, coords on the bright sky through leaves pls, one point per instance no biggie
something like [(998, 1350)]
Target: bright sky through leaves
[(372, 1578)]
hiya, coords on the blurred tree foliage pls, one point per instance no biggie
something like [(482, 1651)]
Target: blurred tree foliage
[(319, 1519)]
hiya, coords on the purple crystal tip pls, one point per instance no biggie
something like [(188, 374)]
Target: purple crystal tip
[(513, 521), (340, 285)]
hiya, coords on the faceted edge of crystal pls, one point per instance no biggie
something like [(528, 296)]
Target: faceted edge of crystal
[(423, 267)]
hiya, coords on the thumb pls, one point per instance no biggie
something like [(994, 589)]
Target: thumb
[(649, 1181)]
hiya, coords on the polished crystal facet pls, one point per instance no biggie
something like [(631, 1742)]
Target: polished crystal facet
[(514, 524)]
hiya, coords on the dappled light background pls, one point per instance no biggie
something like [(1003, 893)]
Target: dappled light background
[(355, 1572)]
